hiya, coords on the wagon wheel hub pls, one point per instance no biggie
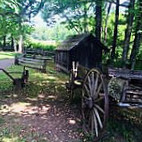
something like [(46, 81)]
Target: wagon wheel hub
[(89, 103)]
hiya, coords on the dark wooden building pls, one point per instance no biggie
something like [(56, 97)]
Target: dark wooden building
[(85, 48)]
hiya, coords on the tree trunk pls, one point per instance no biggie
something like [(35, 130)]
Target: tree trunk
[(128, 31), (4, 42), (20, 44), (115, 30), (12, 43), (136, 45), (138, 36), (15, 46), (85, 18), (98, 19), (106, 21)]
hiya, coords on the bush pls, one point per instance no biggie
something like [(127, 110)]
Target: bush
[(37, 44), (43, 46)]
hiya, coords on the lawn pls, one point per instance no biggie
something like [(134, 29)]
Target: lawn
[(41, 112), (7, 55)]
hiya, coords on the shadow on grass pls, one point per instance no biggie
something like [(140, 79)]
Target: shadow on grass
[(39, 112), (124, 125)]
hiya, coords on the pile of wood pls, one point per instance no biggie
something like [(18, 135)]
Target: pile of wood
[(129, 92)]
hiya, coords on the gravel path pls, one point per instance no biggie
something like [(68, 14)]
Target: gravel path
[(6, 63)]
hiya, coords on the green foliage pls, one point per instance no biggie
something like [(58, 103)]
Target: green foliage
[(121, 130), (15, 16), (40, 44), (51, 33), (43, 46), (76, 14)]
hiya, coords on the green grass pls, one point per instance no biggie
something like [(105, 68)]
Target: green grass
[(17, 134), (7, 55), (37, 80)]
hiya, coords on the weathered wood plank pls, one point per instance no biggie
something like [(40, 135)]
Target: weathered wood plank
[(58, 66), (30, 60), (125, 73), (31, 65)]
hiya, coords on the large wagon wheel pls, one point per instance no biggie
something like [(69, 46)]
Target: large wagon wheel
[(94, 104)]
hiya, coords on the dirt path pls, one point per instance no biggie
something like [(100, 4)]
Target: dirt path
[(47, 118), (6, 63)]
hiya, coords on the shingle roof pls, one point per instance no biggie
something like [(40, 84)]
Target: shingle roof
[(71, 42)]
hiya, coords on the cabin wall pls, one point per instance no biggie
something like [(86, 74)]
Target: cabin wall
[(88, 52), (62, 60)]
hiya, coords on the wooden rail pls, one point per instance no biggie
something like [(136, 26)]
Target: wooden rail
[(32, 61)]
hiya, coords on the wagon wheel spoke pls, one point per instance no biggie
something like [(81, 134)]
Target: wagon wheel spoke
[(99, 89), (93, 82), (96, 82), (87, 90), (99, 108), (98, 99), (96, 125), (95, 101), (90, 85), (98, 117)]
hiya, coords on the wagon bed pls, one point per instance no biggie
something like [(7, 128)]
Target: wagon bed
[(125, 73), (94, 88), (132, 90)]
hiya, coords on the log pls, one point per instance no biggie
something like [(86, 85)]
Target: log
[(125, 73)]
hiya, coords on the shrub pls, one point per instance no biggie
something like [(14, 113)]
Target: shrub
[(43, 46)]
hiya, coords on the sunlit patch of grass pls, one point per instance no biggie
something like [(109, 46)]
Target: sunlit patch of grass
[(7, 55), (12, 139), (42, 77), (49, 82), (5, 82)]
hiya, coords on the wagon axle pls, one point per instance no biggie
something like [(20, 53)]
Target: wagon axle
[(88, 102)]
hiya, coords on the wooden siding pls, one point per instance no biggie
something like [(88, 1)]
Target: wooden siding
[(88, 52)]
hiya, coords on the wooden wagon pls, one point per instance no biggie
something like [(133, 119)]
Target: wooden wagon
[(94, 99), (95, 94), (85, 73)]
